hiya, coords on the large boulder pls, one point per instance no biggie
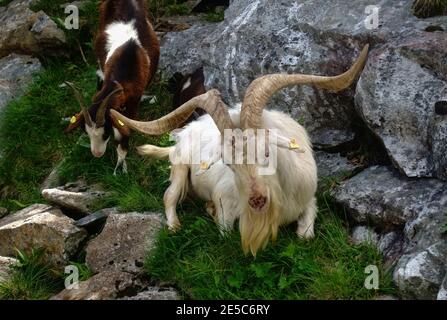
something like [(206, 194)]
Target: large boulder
[(261, 36), (391, 203), (396, 97), (16, 74), (28, 32), (124, 242), (41, 226)]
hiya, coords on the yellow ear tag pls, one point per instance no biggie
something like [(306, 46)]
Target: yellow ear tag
[(73, 120), (293, 144), (204, 165), (120, 123)]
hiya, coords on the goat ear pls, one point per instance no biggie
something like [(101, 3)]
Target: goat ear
[(121, 127), (75, 122)]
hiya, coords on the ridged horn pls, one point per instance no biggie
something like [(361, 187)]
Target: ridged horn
[(80, 99), (101, 113), (261, 89), (211, 102)]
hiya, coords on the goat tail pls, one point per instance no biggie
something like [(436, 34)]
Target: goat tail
[(154, 151)]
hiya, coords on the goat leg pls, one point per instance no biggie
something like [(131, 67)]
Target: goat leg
[(175, 193), (306, 221), (121, 151)]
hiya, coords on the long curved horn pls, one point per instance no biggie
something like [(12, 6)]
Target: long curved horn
[(101, 113), (210, 102), (261, 89), (80, 99)]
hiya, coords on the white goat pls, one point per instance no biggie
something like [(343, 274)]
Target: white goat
[(262, 202)]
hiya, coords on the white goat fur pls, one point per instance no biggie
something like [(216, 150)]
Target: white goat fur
[(292, 187)]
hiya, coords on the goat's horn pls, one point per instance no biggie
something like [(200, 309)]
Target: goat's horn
[(80, 99), (261, 89), (101, 113), (210, 102)]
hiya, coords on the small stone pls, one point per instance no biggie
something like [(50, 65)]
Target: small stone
[(75, 196), (28, 32)]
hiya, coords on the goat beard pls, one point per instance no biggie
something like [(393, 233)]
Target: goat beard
[(257, 229)]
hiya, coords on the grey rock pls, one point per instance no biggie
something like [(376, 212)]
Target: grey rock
[(41, 226), (420, 275), (124, 242), (396, 97), (174, 45), (363, 234), (380, 196), (155, 293), (28, 32), (333, 165), (5, 268), (107, 285), (16, 73), (75, 196)]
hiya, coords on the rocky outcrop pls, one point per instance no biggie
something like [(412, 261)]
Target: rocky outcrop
[(396, 97), (5, 268), (260, 37), (124, 242), (77, 196), (16, 73), (28, 32), (41, 226), (106, 285), (385, 200)]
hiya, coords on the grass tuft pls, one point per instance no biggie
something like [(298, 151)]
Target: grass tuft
[(429, 8), (31, 279)]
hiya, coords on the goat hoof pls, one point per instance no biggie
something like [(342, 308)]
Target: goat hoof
[(174, 226), (307, 233)]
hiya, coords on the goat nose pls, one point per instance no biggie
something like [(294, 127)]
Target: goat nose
[(97, 154)]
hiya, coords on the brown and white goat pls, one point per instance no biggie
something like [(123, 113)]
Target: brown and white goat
[(127, 50), (262, 202)]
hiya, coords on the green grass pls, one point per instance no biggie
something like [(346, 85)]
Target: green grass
[(215, 16), (429, 8), (204, 265), (31, 279)]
